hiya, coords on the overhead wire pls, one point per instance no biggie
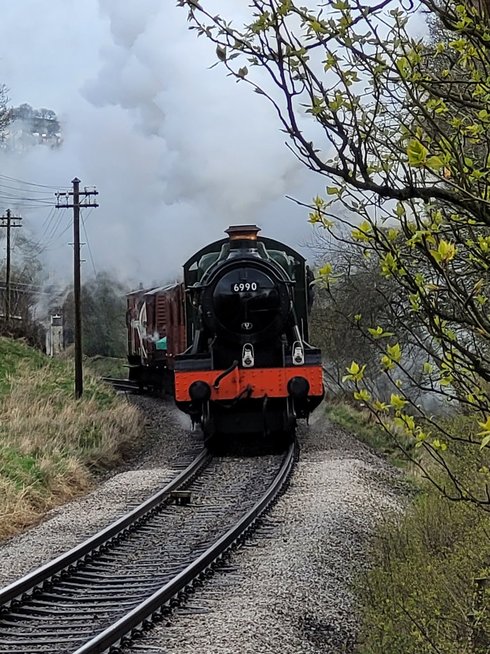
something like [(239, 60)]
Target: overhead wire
[(55, 237), (87, 239), (27, 195), (47, 221), (30, 190), (23, 194), (21, 205), (55, 224), (4, 196), (47, 186), (31, 195)]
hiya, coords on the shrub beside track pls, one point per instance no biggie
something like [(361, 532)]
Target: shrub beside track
[(429, 587)]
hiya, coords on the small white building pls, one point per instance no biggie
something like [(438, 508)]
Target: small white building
[(54, 336)]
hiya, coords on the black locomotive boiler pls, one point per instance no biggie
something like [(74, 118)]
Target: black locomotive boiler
[(248, 368)]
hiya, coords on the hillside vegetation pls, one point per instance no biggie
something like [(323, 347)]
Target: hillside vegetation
[(428, 589), (50, 444)]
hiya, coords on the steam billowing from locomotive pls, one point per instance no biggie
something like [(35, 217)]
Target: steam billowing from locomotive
[(176, 149)]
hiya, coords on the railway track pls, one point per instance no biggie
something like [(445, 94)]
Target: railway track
[(122, 384), (99, 595)]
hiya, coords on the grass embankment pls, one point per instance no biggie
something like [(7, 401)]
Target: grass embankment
[(421, 594), (109, 366), (366, 430), (50, 444)]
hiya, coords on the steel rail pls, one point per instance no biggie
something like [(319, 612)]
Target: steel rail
[(121, 384), (118, 380), (114, 636), (79, 554)]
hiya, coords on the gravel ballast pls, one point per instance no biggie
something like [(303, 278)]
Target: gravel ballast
[(288, 589)]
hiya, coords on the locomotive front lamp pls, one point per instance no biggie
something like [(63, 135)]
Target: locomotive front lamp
[(248, 358), (298, 354)]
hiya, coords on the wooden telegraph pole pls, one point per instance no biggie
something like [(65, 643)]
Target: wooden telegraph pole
[(8, 221), (76, 205)]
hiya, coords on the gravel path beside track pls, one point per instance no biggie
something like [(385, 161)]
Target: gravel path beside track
[(287, 591)]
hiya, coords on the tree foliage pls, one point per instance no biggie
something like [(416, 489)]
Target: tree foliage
[(40, 120), (399, 127), (26, 278), (358, 297), (5, 113), (103, 317)]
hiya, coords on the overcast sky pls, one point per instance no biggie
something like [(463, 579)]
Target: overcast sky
[(178, 152)]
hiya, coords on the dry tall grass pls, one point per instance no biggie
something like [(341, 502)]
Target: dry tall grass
[(51, 444)]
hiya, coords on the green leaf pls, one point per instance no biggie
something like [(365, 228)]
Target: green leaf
[(326, 270), (435, 162), (387, 363), (356, 372), (400, 210), (394, 352), (363, 395), (379, 332), (417, 153), (397, 402), (485, 441)]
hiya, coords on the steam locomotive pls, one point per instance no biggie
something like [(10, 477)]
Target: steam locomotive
[(232, 339)]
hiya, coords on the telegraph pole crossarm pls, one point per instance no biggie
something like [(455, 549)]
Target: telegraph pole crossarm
[(76, 200)]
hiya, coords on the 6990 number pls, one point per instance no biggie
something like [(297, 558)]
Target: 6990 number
[(241, 287)]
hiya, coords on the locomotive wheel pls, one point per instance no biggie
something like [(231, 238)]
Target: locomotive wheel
[(216, 444)]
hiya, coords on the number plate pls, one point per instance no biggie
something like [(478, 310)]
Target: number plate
[(244, 287)]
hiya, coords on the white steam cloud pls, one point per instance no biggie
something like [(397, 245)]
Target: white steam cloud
[(177, 150)]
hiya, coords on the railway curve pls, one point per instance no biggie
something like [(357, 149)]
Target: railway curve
[(96, 597)]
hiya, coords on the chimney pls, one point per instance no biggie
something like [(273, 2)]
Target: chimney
[(243, 236)]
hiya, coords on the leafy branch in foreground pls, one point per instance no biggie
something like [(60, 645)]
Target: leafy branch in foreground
[(400, 128)]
